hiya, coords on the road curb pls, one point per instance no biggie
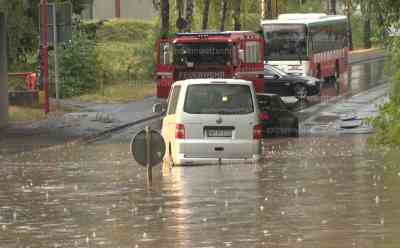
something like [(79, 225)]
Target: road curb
[(367, 56), (99, 135)]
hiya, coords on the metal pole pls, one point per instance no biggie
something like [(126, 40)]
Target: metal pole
[(55, 52), (45, 30), (148, 156)]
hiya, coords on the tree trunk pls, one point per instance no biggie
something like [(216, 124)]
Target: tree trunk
[(189, 15), (332, 7), (224, 10), (179, 11), (349, 9), (365, 8), (236, 15), (164, 18), (205, 14)]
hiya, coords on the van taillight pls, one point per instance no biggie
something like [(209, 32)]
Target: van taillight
[(180, 131), (257, 132)]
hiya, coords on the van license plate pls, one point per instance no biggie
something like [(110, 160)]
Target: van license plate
[(219, 132)]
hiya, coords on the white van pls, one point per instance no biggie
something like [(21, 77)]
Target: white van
[(212, 121)]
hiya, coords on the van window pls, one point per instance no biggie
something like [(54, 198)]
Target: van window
[(221, 99), (173, 101)]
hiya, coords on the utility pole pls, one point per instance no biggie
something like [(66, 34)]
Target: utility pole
[(45, 52)]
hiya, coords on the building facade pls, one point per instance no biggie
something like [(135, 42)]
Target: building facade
[(126, 9), (3, 73)]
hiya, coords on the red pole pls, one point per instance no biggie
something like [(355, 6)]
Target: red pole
[(45, 52)]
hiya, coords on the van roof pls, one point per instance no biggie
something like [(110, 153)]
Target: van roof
[(211, 81)]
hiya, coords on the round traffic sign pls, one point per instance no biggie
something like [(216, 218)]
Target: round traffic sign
[(139, 148)]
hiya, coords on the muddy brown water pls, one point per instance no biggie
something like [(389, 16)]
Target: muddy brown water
[(308, 192)]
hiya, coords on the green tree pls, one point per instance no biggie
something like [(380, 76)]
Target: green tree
[(189, 15), (206, 10), (236, 15), (224, 11)]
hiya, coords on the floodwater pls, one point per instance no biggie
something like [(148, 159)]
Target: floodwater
[(308, 192), (332, 191)]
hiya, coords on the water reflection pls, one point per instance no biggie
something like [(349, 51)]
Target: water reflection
[(310, 192)]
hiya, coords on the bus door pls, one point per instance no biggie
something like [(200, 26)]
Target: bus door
[(164, 67)]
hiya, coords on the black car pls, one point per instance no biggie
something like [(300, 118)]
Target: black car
[(276, 118), (278, 82)]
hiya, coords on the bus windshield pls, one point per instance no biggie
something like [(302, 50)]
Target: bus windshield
[(192, 54), (285, 41)]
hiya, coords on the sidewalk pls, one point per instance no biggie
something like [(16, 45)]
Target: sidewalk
[(348, 116), (92, 120)]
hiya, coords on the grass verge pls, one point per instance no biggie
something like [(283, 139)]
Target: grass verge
[(120, 93), (28, 114)]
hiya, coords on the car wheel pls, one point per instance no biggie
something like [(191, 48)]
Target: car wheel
[(300, 91)]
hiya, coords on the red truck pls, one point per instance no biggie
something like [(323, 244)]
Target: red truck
[(236, 54)]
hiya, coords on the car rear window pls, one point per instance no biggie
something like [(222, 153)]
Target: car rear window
[(224, 99)]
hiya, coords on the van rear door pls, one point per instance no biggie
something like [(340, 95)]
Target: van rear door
[(219, 111)]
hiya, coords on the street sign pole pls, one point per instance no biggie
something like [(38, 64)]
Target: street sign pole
[(148, 156), (55, 41), (45, 35)]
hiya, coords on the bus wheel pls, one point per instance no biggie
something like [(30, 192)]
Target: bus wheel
[(337, 69), (319, 74), (300, 91)]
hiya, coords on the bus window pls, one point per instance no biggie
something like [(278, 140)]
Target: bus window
[(285, 41)]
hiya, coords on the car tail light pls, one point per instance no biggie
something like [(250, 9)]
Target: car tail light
[(264, 116), (257, 132), (180, 131)]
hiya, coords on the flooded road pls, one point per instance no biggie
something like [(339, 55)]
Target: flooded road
[(331, 191), (308, 192)]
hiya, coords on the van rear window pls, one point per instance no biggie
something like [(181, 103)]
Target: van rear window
[(224, 99)]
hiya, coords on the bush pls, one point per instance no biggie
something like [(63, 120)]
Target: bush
[(387, 124), (124, 30), (77, 66), (90, 28)]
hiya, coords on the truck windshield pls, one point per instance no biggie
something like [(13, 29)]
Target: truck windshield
[(285, 41), (223, 99), (202, 54)]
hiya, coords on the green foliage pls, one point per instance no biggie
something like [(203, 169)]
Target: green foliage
[(310, 6), (387, 124), (124, 30), (22, 35), (77, 66)]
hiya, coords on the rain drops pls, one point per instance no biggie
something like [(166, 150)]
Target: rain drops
[(377, 200)]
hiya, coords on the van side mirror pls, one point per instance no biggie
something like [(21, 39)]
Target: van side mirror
[(159, 108), (276, 76)]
